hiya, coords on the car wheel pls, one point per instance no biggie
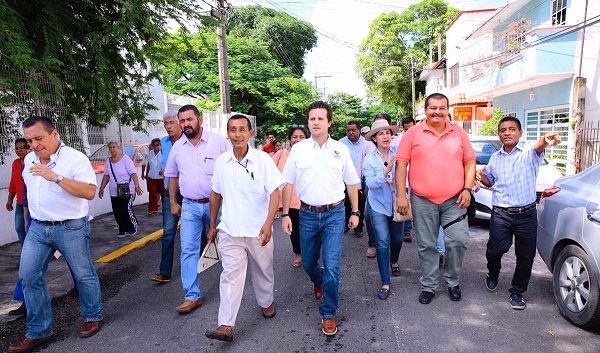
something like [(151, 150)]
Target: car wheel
[(576, 287)]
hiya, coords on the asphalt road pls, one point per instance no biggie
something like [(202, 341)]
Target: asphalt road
[(140, 314)]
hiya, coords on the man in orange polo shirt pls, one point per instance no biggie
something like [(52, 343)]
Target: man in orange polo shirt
[(442, 174)]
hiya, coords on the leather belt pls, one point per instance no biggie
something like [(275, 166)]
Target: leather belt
[(52, 223), (319, 208), (204, 200), (516, 210)]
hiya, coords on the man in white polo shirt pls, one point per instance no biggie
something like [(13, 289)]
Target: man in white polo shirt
[(321, 168), (60, 181), (246, 181)]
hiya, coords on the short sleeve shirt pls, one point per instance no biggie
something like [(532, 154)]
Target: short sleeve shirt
[(320, 173), (246, 187), (436, 162), (123, 170), (513, 175)]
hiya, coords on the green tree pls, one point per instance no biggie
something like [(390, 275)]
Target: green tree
[(490, 127), (395, 43), (92, 59), (288, 39)]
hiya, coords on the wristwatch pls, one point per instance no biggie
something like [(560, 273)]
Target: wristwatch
[(469, 190), (59, 178), (357, 213)]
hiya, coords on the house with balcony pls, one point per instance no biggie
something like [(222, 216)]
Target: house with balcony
[(534, 59)]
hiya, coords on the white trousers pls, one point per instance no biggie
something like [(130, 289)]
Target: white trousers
[(236, 253)]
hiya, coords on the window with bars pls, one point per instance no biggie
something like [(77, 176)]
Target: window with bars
[(559, 12), (454, 73), (540, 122)]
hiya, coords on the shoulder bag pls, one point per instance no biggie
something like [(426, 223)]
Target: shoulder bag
[(123, 191)]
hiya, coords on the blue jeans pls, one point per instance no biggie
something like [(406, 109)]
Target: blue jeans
[(72, 239), (194, 217), (388, 236), (326, 230), (20, 223), (408, 226), (168, 239)]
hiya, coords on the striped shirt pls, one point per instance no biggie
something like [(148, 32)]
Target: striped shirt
[(513, 175)]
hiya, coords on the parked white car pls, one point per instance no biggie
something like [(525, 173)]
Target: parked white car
[(484, 148)]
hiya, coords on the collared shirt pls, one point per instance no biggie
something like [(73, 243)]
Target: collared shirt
[(436, 162), (194, 165), (369, 147), (320, 173), (165, 148), (513, 175), (246, 187), (354, 148), (380, 196), (154, 162), (47, 200), (16, 182)]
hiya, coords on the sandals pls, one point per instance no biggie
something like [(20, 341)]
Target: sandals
[(384, 293), (296, 264)]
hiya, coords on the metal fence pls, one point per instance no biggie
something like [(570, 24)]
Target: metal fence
[(588, 152)]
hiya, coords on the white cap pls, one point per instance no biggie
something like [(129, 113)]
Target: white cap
[(365, 129)]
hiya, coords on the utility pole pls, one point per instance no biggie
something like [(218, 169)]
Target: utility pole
[(220, 13), (412, 81)]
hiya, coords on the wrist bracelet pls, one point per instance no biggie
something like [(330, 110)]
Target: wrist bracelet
[(285, 215)]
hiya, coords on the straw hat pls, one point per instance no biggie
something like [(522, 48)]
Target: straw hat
[(379, 125)]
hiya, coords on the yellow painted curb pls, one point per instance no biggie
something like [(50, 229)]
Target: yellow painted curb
[(129, 248)]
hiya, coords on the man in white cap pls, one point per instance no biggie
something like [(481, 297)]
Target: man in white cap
[(364, 130)]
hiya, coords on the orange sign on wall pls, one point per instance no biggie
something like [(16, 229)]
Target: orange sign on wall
[(463, 114)]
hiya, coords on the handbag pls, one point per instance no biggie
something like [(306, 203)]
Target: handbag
[(397, 216), (123, 191)]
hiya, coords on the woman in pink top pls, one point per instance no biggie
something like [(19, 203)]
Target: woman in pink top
[(297, 133)]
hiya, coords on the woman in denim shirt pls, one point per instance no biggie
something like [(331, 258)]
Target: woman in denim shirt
[(378, 169)]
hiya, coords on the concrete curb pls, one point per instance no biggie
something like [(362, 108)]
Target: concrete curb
[(129, 248)]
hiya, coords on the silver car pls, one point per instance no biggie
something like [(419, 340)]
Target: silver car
[(568, 240)]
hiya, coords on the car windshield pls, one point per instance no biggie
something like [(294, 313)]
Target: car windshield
[(484, 150)]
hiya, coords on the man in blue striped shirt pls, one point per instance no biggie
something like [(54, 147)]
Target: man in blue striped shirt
[(512, 171)]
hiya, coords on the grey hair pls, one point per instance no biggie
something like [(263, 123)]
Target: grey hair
[(170, 114), (114, 143)]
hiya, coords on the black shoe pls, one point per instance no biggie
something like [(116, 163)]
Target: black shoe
[(517, 302), (426, 297), (454, 293), (396, 270), (490, 283), (384, 293), (20, 311)]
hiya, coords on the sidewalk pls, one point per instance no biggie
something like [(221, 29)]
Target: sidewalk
[(103, 241)]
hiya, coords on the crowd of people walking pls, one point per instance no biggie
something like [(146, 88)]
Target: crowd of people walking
[(226, 192)]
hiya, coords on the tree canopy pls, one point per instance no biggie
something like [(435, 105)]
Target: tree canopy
[(264, 81), (394, 43)]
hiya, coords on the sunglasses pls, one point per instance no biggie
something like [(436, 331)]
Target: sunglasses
[(302, 126), (155, 145), (25, 147)]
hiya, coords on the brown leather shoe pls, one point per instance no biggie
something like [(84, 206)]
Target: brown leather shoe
[(269, 312), (188, 306), (329, 327), (222, 333), (318, 291), (90, 328), (407, 238), (161, 278), (27, 344)]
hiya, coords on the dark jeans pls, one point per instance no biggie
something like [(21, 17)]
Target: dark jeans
[(124, 213), (295, 236), (361, 208), (370, 230), (502, 228), (168, 239)]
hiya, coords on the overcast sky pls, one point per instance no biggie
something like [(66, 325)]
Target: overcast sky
[(341, 26)]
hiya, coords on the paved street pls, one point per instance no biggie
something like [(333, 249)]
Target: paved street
[(140, 314)]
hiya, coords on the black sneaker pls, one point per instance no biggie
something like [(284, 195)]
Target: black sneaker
[(490, 283), (517, 302), (426, 297)]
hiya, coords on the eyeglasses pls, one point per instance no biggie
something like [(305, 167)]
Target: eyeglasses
[(25, 147), (247, 171)]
